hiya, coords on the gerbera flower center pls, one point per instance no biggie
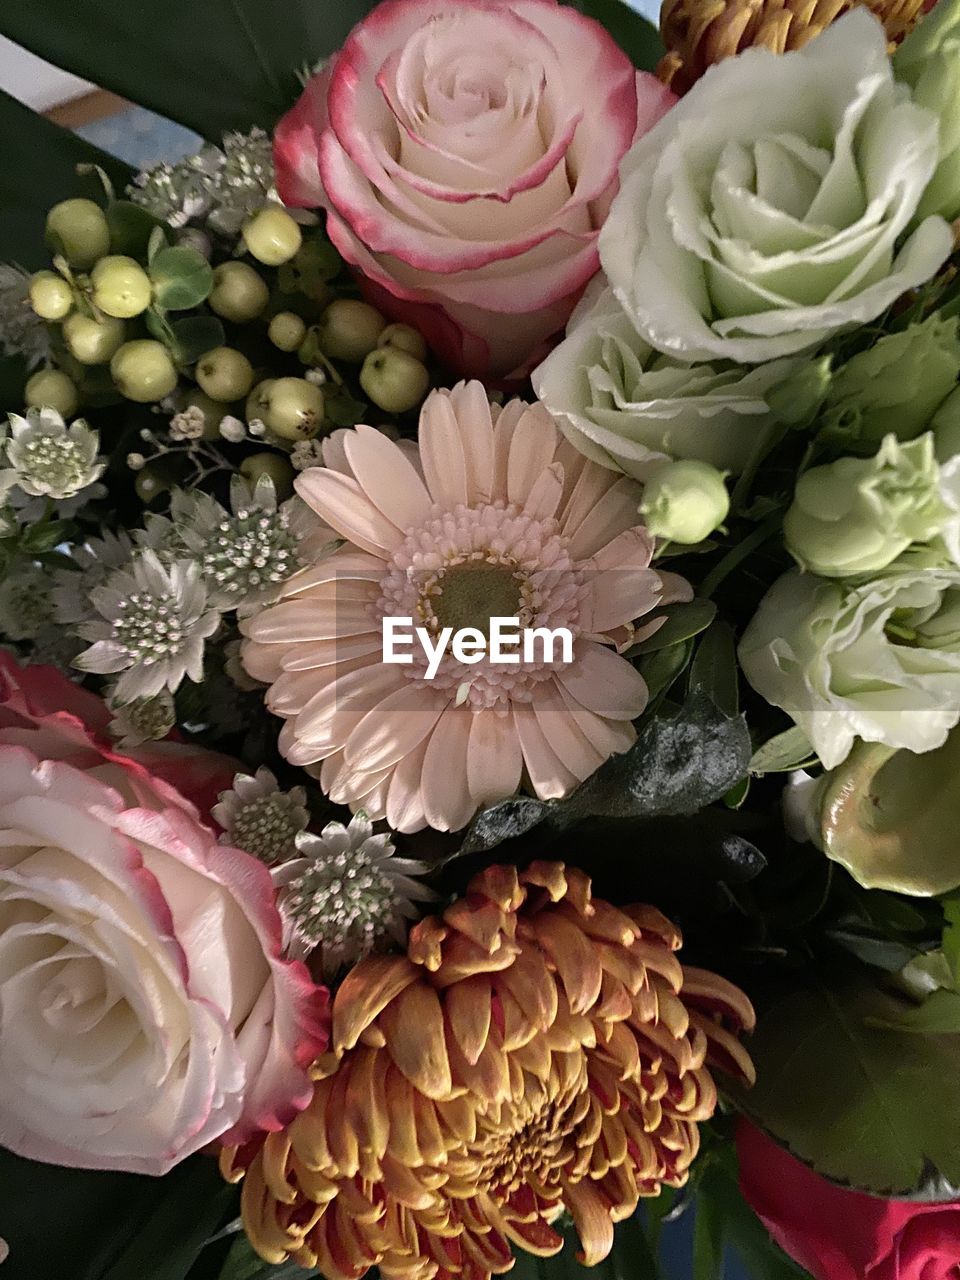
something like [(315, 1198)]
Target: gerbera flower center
[(471, 593)]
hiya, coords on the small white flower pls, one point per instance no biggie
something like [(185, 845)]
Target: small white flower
[(22, 332), (136, 461), (348, 895), (154, 621), (143, 720), (306, 454), (232, 429), (96, 559), (259, 818), (188, 424), (26, 604), (47, 459), (316, 376)]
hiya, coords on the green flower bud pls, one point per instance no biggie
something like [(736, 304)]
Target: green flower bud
[(239, 294), (929, 61), (92, 341), (295, 411), (685, 501), (394, 380), (213, 413), (272, 236), (52, 389), (348, 330), (78, 229), (258, 401), (143, 371), (224, 374), (858, 514), (405, 338), (895, 386), (121, 287), (273, 465), (50, 296), (286, 331), (148, 486)]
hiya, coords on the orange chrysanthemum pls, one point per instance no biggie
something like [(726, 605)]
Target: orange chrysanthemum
[(535, 1050), (698, 33)]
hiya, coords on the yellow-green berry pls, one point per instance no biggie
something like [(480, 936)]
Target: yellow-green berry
[(225, 374), (78, 229), (121, 287), (272, 236), (274, 465), (50, 296), (53, 389), (258, 401), (92, 341), (239, 294), (143, 371), (394, 380), (349, 329), (148, 485), (295, 409), (286, 331), (405, 338)]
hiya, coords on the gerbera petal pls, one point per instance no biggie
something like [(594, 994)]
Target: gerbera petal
[(603, 682), (572, 748), (550, 777), (441, 451), (610, 737), (342, 503), (392, 728), (615, 512), (447, 801), (327, 720), (386, 476), (544, 498), (405, 811), (532, 448), (494, 758), (472, 407)]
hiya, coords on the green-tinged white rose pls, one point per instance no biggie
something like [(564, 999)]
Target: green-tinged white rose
[(945, 425), (47, 459), (897, 385), (929, 61), (685, 501), (890, 817), (857, 515), (876, 659), (770, 207), (629, 408)]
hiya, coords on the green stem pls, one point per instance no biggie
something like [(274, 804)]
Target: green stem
[(736, 555)]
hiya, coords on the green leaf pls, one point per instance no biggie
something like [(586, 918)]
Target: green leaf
[(44, 536), (131, 229), (215, 66), (714, 668), (633, 33), (182, 278), (787, 751), (244, 1263), (875, 1107), (951, 935), (194, 336), (683, 620), (678, 765)]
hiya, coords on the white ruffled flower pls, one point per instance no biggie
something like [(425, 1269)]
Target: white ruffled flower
[(259, 818), (348, 895), (47, 459), (877, 659), (153, 625), (771, 206)]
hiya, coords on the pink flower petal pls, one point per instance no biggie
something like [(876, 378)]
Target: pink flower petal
[(605, 683), (342, 502), (447, 802), (494, 759)]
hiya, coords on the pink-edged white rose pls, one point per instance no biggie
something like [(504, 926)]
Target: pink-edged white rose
[(466, 154), (146, 1008)]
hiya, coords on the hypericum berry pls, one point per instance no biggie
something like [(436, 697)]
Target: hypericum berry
[(274, 465), (52, 389), (239, 294), (78, 230), (50, 296), (121, 287), (286, 331), (349, 329), (148, 485), (225, 374), (272, 236), (295, 409), (92, 341), (143, 371), (213, 413), (405, 338), (394, 380), (258, 401)]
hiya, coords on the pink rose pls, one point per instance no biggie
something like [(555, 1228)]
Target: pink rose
[(145, 1004), (838, 1234), (466, 154)]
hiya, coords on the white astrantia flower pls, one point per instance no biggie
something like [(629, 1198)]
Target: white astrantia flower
[(26, 603), (347, 894), (259, 818), (47, 459), (626, 406), (143, 720), (22, 332), (95, 559), (154, 620), (241, 553), (876, 658), (774, 204)]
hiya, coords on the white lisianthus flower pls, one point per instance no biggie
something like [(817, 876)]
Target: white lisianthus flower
[(629, 408), (770, 207), (877, 659)]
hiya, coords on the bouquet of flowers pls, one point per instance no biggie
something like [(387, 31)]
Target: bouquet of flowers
[(489, 517)]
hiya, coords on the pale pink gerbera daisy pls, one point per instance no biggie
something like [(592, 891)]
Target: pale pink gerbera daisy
[(496, 516)]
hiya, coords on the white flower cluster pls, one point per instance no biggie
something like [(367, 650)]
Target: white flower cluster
[(47, 459)]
